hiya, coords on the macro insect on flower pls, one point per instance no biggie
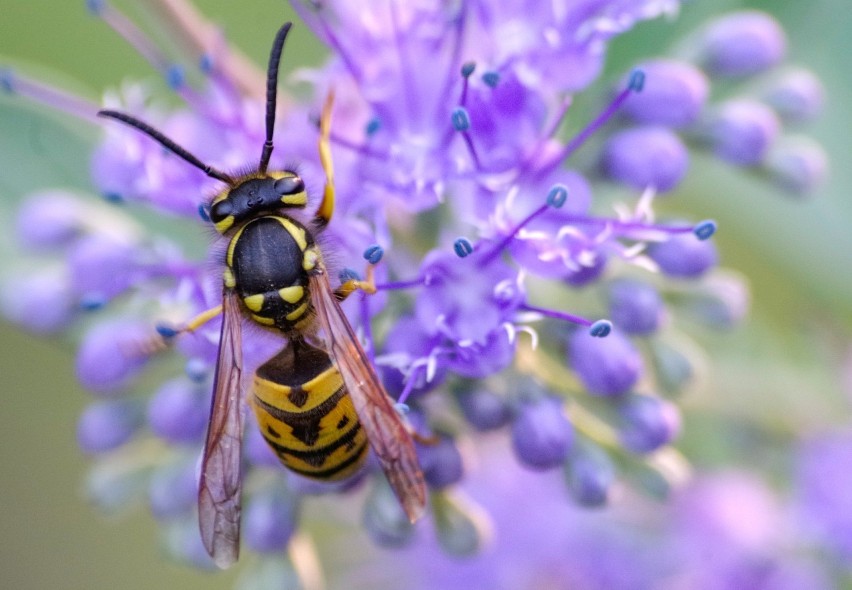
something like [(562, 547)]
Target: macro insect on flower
[(275, 275), (495, 229)]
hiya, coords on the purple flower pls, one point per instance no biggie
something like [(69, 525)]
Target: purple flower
[(607, 366), (541, 433), (453, 188)]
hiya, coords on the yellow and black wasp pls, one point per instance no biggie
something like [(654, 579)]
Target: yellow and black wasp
[(318, 404)]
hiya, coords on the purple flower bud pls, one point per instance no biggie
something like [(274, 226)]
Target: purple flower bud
[(461, 525), (41, 303), (674, 94), (483, 409), (270, 520), (684, 255), (797, 95), (111, 355), (728, 509), (672, 367), (823, 481), (384, 520), (606, 366), (541, 433), (646, 423), (635, 307), (742, 131), (441, 463), (173, 491), (106, 425), (798, 165), (100, 266), (178, 412), (645, 156), (49, 219), (183, 542), (742, 44), (589, 474), (721, 301)]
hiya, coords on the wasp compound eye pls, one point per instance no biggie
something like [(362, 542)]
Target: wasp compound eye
[(289, 185), (221, 210)]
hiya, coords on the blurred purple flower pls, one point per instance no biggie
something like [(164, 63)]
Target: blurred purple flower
[(449, 157)]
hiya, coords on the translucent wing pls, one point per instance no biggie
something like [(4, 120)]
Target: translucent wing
[(385, 430), (221, 481)]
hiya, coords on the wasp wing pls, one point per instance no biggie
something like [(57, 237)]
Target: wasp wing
[(385, 429), (221, 481)]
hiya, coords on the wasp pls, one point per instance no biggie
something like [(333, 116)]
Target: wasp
[(319, 403)]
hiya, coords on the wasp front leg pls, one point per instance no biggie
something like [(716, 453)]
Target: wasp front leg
[(326, 208), (368, 286), (168, 332)]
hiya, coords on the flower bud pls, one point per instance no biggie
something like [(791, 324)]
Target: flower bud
[(270, 519), (646, 423), (741, 44), (106, 425), (684, 256), (179, 411), (541, 433), (646, 156), (635, 307), (674, 94), (607, 366)]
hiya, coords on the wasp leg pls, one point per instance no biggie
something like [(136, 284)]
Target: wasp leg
[(368, 286), (326, 208), (430, 440), (192, 325)]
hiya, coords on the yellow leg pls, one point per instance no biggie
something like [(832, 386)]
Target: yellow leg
[(352, 285), (201, 319), (326, 208), (192, 325)]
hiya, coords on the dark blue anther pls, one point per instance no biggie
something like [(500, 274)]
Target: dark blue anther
[(373, 125), (95, 6), (601, 329), (347, 274), (467, 69), (460, 119), (92, 302), (7, 80), (557, 196), (491, 78), (166, 332), (463, 247), (206, 63), (374, 254), (203, 213), (174, 76), (196, 369), (704, 229), (113, 197), (637, 80)]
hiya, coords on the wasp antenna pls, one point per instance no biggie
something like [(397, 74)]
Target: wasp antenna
[(272, 92), (167, 143)]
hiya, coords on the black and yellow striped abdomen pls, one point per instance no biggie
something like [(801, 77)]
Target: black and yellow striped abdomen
[(266, 264), (305, 414)]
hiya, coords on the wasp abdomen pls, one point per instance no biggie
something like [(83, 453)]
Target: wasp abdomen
[(306, 415), (265, 258)]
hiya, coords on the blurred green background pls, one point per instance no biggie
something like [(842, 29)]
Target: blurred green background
[(780, 370)]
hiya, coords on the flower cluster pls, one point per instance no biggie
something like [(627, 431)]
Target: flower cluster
[(492, 245)]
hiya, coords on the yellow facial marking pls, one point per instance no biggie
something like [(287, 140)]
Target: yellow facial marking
[(291, 294), (295, 199), (254, 302), (225, 224)]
